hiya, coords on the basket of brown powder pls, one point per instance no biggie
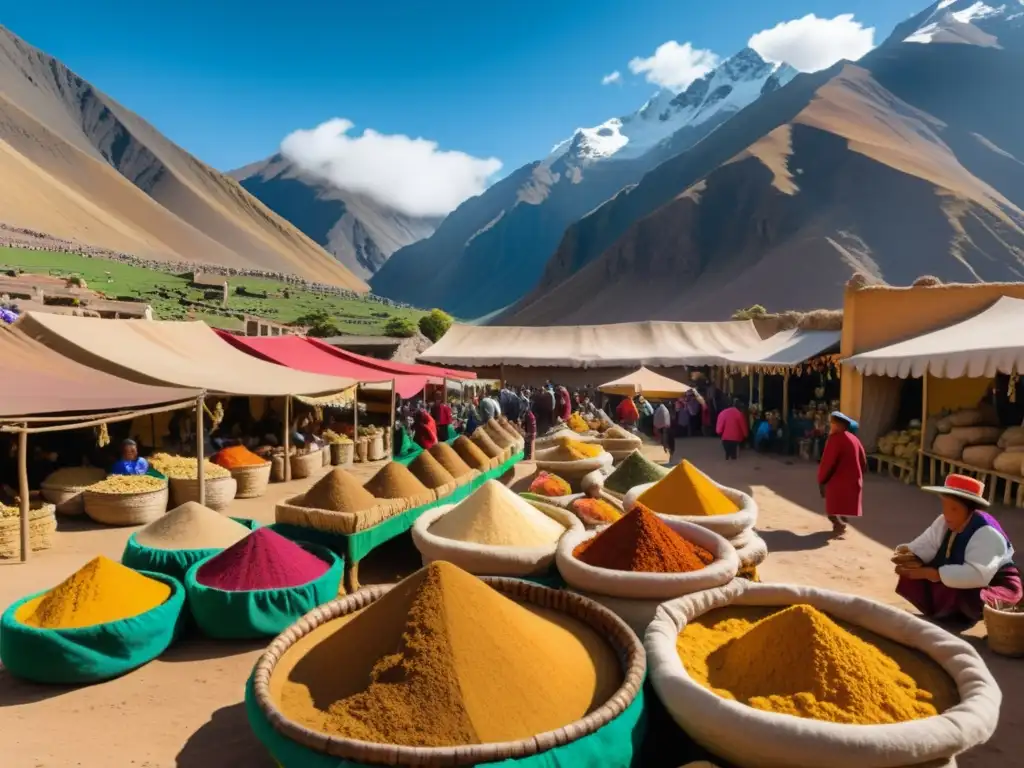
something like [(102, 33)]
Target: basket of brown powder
[(395, 482), (448, 669), (337, 503), (472, 455), (493, 532), (432, 474), (491, 450), (453, 463)]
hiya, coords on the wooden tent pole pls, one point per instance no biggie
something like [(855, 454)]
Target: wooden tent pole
[(924, 428), (355, 418), (23, 492), (200, 450), (785, 396), (392, 423), (760, 391), (287, 437)]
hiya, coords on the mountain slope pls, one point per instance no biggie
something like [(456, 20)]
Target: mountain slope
[(360, 232), (78, 165), (908, 164), (514, 226)]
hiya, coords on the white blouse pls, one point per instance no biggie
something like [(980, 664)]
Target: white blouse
[(987, 552)]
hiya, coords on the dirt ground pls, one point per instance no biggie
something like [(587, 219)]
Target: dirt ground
[(185, 709)]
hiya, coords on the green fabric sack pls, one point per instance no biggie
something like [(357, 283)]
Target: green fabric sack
[(242, 615), (90, 654), (616, 745), (173, 562)]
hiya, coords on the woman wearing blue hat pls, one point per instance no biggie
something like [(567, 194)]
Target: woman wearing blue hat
[(841, 472)]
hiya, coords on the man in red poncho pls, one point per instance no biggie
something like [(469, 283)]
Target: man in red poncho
[(626, 412), (442, 415), (841, 473), (425, 428)]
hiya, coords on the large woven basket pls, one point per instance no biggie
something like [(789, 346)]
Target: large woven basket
[(613, 629), (342, 453), (362, 448), (305, 464), (292, 512), (68, 500), (126, 508), (42, 523), (1005, 630), (220, 491), (325, 456), (252, 480), (375, 448)]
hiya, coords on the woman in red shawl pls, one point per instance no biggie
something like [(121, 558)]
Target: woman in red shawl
[(564, 405), (841, 473), (442, 415), (426, 430)]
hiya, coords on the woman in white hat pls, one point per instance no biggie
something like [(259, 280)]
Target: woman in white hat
[(962, 561)]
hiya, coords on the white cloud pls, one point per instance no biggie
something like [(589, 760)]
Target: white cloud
[(412, 175), (810, 43), (674, 66), (614, 77)]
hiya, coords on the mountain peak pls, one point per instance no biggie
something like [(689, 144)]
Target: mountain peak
[(971, 22)]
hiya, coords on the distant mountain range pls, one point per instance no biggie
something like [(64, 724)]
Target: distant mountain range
[(77, 165)]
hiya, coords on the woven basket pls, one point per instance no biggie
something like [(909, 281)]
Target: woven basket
[(362, 448), (277, 469), (42, 523), (342, 453), (252, 481), (220, 491), (126, 508), (614, 630), (375, 448), (292, 511), (304, 465), (68, 500), (1005, 631), (325, 456)]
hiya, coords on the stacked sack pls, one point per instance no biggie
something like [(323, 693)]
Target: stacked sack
[(969, 436)]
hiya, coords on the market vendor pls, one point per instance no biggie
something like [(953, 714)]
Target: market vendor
[(962, 560), (841, 472), (442, 415), (425, 429), (130, 462)]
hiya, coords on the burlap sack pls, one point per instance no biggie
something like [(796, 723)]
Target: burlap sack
[(948, 446), (976, 435), (1012, 436), (973, 417), (753, 553), (730, 526), (572, 471), (1009, 463), (751, 738), (484, 559), (943, 425), (649, 586), (982, 456)]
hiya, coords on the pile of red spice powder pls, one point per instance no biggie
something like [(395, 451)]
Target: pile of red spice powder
[(640, 541), (262, 560)]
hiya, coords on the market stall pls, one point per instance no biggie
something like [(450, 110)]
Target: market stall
[(185, 354), (645, 382), (970, 417), (42, 391), (795, 375)]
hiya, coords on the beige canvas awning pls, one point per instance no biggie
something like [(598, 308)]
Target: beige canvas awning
[(647, 383), (785, 349), (652, 343), (983, 345), (185, 354)]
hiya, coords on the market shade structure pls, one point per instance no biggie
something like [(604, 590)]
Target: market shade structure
[(435, 373), (188, 354), (647, 383), (298, 353), (651, 343), (786, 349), (38, 381), (983, 345)]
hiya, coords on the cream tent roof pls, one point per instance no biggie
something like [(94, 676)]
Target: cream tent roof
[(186, 354), (785, 349), (983, 345), (645, 382), (651, 343)]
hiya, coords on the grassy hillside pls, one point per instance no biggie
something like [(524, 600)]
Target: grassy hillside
[(170, 294)]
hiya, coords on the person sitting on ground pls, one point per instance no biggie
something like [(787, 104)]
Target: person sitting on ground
[(841, 472), (962, 561), (442, 415), (425, 429), (130, 462), (733, 429)]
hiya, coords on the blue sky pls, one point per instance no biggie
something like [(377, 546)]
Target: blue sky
[(229, 80)]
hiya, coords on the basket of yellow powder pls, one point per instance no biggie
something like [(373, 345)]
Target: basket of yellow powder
[(572, 460), (182, 474), (493, 532), (42, 524), (178, 540), (102, 621), (449, 669), (65, 488), (689, 494), (127, 499), (779, 675)]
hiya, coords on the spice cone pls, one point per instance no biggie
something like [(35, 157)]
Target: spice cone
[(496, 516), (470, 453), (686, 491), (448, 458), (429, 471), (395, 481), (339, 491)]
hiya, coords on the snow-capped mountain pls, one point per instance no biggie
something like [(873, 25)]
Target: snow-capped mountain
[(735, 83), (966, 21)]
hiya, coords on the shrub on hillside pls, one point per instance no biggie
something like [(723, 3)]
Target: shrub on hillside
[(435, 324), (400, 327)]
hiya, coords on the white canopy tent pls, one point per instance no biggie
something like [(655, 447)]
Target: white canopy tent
[(786, 349), (991, 342), (645, 382)]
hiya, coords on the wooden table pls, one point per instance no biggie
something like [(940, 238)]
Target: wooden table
[(937, 467)]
